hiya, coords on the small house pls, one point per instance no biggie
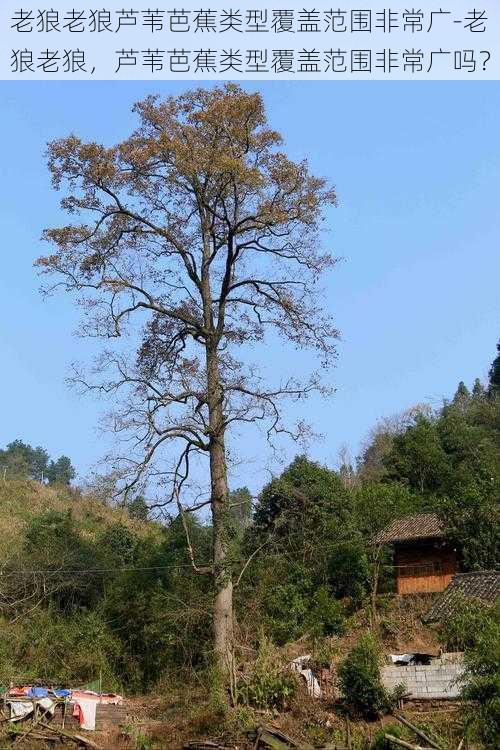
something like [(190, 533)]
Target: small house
[(424, 561)]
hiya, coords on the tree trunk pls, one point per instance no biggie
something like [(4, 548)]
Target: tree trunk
[(375, 578), (223, 602)]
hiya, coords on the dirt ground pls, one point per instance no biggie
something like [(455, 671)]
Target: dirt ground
[(168, 721), (180, 712)]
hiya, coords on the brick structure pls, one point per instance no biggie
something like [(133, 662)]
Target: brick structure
[(436, 681)]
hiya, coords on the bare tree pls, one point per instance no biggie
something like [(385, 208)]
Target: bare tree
[(379, 442), (203, 236), (345, 467)]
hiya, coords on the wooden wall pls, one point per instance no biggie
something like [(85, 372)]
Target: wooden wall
[(423, 567), (107, 716)]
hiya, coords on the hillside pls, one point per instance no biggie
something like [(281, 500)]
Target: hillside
[(71, 569), (21, 500), (88, 593), (138, 619)]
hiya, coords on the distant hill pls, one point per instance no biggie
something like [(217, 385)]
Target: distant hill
[(22, 499)]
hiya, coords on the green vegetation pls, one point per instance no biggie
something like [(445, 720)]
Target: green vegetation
[(89, 590), (71, 607), (477, 630), (270, 685), (460, 632), (360, 681), (380, 742), (494, 375), (20, 460)]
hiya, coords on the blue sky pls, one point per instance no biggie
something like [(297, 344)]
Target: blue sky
[(417, 169)]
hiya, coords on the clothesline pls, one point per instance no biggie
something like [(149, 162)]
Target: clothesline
[(25, 701)]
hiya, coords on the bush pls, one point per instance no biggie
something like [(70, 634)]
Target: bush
[(360, 679), (119, 543), (471, 523), (323, 654), (286, 609), (53, 542), (482, 679), (272, 690), (379, 740), (460, 631), (293, 605), (271, 684), (51, 647)]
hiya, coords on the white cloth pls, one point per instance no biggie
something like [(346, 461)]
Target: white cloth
[(313, 687), (20, 709), (402, 658), (47, 704), (85, 709)]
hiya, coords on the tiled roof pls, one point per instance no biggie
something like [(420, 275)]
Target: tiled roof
[(421, 526), (483, 585)]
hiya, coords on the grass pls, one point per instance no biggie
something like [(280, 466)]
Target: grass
[(21, 500)]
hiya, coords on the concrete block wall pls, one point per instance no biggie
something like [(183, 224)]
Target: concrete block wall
[(440, 679)]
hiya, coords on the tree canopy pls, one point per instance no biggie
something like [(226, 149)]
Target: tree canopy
[(494, 374), (20, 459)]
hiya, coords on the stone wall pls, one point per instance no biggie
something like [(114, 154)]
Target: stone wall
[(439, 679)]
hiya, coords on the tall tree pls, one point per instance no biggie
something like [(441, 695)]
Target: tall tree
[(494, 374), (462, 396), (22, 460), (60, 471), (203, 231), (138, 508), (379, 443), (418, 457), (478, 390)]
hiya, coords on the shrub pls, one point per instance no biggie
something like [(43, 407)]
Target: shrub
[(471, 522), (295, 606), (398, 693), (52, 540), (460, 631), (360, 680), (286, 609), (482, 680), (119, 543), (379, 740), (51, 647), (269, 690), (323, 654), (271, 684), (349, 571)]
